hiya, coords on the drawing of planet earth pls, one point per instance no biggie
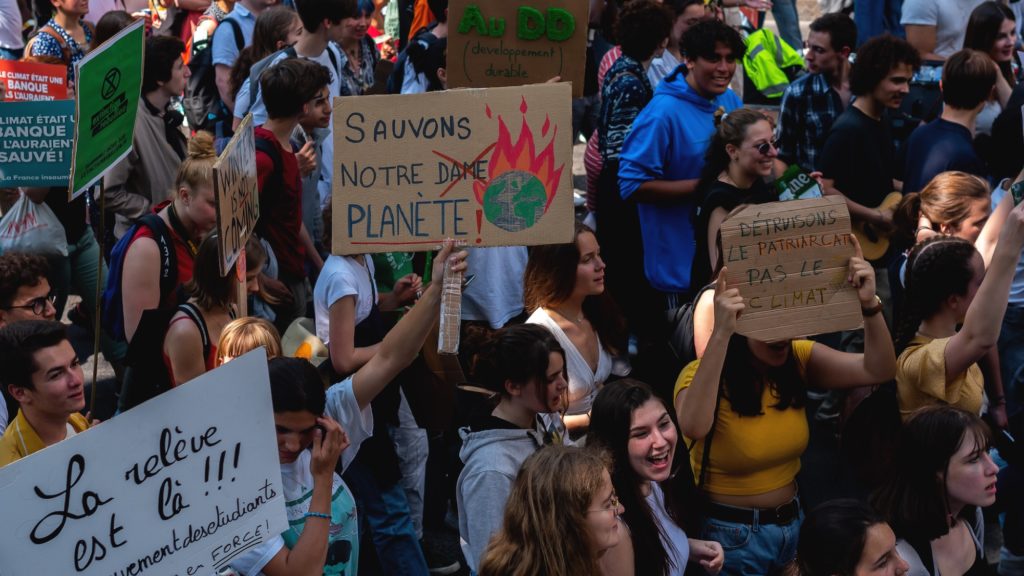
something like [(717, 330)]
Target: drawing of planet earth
[(515, 201)]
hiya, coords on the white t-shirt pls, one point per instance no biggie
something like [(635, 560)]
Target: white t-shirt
[(3, 415), (662, 66), (948, 16), (10, 25), (342, 276), (343, 539), (676, 544), (496, 293)]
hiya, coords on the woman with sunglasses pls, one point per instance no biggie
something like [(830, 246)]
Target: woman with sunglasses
[(635, 427), (741, 154)]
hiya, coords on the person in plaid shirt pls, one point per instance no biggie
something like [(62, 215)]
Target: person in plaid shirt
[(812, 103)]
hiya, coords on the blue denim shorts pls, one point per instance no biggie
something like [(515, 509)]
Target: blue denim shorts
[(754, 549)]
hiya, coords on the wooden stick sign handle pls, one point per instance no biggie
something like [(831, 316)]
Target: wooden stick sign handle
[(451, 311)]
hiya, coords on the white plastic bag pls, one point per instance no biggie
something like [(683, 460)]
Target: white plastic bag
[(33, 228)]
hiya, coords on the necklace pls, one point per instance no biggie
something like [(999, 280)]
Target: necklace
[(577, 321)]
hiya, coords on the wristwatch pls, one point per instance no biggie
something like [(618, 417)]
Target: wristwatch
[(869, 312)]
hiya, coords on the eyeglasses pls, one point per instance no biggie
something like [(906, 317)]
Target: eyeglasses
[(37, 305), (765, 147), (613, 505)]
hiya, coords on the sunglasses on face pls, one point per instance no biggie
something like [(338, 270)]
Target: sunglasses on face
[(765, 147)]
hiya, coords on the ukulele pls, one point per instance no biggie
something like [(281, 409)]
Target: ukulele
[(873, 242)]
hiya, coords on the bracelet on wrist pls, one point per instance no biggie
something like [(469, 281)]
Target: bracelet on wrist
[(317, 515)]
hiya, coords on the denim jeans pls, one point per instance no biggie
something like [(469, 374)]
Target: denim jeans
[(386, 511), (1011, 357), (754, 549), (11, 53), (788, 22), (875, 17), (78, 274)]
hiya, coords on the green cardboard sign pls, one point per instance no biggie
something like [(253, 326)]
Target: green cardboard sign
[(109, 81), (35, 143)]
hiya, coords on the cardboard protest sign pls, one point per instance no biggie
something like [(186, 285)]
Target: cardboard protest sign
[(238, 200), (790, 261), (489, 167), (179, 485), (106, 102), (33, 81), (498, 43), (35, 143)]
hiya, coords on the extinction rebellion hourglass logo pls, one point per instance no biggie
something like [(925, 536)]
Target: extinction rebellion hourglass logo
[(521, 183)]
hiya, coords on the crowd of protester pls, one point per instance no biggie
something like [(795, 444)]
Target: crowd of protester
[(604, 416)]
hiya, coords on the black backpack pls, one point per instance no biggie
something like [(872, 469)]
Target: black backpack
[(680, 330), (148, 376), (417, 51), (112, 317), (203, 106)]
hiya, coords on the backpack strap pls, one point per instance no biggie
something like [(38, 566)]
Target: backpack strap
[(196, 316), (334, 59), (168, 254), (49, 31), (270, 149), (257, 70), (237, 30)]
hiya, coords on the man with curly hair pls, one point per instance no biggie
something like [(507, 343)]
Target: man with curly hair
[(24, 295)]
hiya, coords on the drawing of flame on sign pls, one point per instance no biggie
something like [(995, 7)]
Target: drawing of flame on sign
[(521, 183)]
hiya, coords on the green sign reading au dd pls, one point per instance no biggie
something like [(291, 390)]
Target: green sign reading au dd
[(109, 81)]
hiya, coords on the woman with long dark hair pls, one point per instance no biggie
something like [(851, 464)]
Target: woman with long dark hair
[(564, 289), (744, 403), (943, 476), (635, 427), (524, 366), (992, 30)]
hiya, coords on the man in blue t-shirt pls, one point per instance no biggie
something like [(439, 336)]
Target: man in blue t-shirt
[(947, 143), (663, 155), (225, 49)]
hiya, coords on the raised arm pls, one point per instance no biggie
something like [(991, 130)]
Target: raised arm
[(403, 342), (695, 406), (980, 330), (309, 554)]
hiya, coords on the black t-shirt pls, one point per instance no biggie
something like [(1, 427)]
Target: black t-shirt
[(937, 147), (721, 195), (860, 158)]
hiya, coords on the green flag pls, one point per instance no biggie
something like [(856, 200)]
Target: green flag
[(109, 81)]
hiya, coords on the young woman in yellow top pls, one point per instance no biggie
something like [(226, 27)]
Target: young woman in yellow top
[(751, 409), (947, 285)]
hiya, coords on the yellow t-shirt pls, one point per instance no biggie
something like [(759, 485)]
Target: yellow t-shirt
[(921, 379), (752, 454)]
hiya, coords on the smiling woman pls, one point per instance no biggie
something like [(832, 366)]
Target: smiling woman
[(637, 429)]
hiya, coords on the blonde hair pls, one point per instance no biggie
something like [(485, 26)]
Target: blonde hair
[(544, 530), (197, 168), (246, 334)]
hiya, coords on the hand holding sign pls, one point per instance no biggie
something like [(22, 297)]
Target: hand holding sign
[(862, 276), (728, 305)]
